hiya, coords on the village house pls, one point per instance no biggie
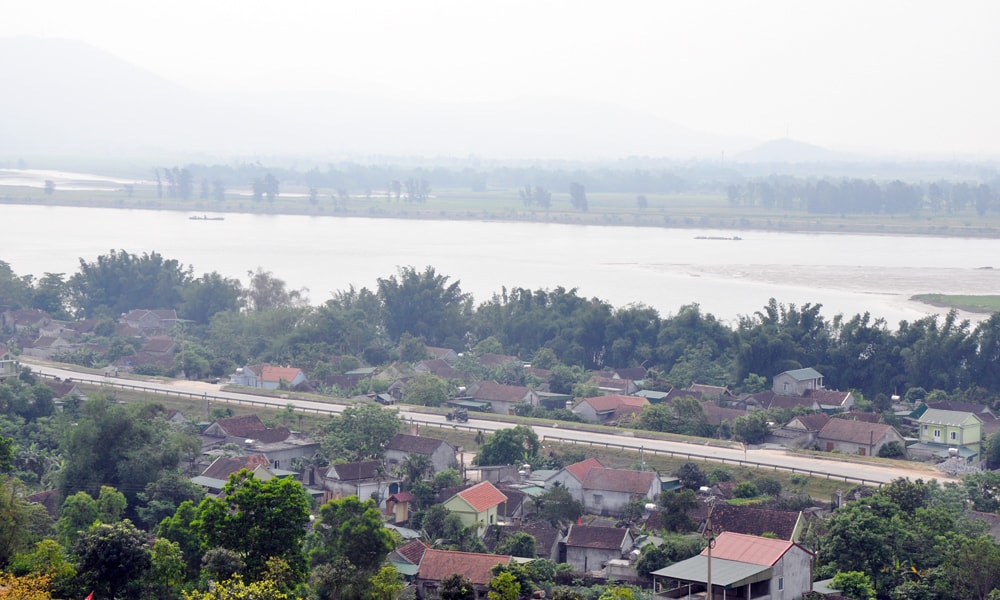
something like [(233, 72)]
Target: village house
[(630, 373), (612, 385), (990, 422), (8, 366), (800, 432), (797, 381), (437, 565), (477, 506), (605, 491), (29, 320), (831, 400), (402, 446), (588, 548), (944, 431), (216, 475), (610, 409), (547, 537), (446, 354), (744, 567), (364, 479), (268, 377), (502, 398), (856, 437), (150, 321), (753, 520)]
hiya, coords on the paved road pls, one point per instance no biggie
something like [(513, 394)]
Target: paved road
[(832, 467)]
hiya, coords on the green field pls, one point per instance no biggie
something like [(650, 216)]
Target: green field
[(988, 304)]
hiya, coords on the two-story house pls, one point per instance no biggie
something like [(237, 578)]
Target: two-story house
[(943, 430), (477, 505), (797, 381)]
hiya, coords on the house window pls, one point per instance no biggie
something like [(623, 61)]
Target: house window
[(781, 583), (785, 388), (937, 433), (598, 499), (954, 435), (925, 429)]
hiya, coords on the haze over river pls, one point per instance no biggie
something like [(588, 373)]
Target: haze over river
[(663, 268)]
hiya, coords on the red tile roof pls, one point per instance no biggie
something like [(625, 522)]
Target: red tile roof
[(223, 466), (272, 373), (855, 432), (241, 426), (749, 548), (580, 469), (436, 565), (615, 401), (413, 551), (483, 496)]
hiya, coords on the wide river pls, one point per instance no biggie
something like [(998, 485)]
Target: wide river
[(662, 268)]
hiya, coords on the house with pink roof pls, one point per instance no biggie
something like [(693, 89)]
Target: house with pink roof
[(477, 505), (269, 377), (740, 566)]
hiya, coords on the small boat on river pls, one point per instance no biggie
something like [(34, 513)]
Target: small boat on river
[(206, 218)]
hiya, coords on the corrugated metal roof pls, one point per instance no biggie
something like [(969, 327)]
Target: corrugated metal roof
[(953, 418), (725, 573), (749, 548)]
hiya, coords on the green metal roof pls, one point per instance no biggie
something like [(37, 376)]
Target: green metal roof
[(725, 573), (804, 374), (473, 404), (936, 416)]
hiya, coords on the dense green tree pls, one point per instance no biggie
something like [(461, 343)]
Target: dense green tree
[(518, 544), (353, 530), (387, 584), (557, 505), (424, 304), (504, 586), (676, 505), (752, 428), (15, 521), (182, 528), (77, 514), (854, 584), (208, 295), (360, 432), (160, 499), (113, 559), (259, 519), (118, 282), (512, 446), (426, 390), (691, 476), (167, 568), (15, 291), (266, 291), (124, 447), (456, 587)]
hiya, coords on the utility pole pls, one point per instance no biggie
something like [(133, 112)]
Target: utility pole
[(709, 534)]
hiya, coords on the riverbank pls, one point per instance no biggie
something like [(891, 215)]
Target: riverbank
[(665, 211)]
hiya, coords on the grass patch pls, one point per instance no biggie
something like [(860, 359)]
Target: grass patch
[(978, 304)]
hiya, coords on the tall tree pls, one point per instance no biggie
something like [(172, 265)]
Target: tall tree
[(424, 304), (361, 431), (259, 520), (353, 530)]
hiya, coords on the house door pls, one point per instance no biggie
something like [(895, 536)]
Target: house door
[(829, 446)]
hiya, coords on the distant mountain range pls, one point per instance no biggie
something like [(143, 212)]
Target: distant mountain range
[(67, 98)]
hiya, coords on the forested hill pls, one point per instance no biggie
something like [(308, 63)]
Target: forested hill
[(226, 324)]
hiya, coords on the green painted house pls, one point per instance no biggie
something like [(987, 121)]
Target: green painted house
[(942, 430)]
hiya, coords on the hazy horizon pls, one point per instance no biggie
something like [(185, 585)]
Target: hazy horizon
[(533, 80)]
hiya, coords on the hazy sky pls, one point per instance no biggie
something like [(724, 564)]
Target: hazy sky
[(912, 76)]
